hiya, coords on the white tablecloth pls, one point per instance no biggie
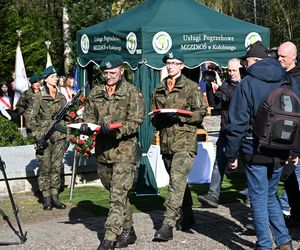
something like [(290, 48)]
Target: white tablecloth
[(203, 164), (201, 170), (158, 166)]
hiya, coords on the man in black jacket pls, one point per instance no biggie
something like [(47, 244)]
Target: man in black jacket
[(287, 56), (263, 167), (222, 96)]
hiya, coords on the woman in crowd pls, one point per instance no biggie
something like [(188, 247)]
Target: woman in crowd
[(6, 103), (67, 88)]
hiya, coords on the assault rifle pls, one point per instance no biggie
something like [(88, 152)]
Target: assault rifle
[(19, 233), (42, 144)]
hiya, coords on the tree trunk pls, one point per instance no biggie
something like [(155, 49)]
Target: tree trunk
[(66, 39)]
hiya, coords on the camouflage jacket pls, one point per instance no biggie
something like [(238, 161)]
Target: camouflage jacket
[(26, 99), (39, 115), (125, 106), (187, 96)]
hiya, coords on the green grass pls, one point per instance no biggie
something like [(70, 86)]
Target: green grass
[(95, 199)]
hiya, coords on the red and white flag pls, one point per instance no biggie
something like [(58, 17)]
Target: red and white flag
[(20, 81)]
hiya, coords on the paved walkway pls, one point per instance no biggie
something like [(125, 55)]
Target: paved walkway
[(221, 228)]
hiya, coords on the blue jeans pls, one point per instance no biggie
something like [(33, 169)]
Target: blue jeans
[(219, 168), (262, 184), (284, 202), (283, 198)]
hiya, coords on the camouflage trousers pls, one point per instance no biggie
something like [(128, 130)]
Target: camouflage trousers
[(49, 179), (178, 166), (118, 179)]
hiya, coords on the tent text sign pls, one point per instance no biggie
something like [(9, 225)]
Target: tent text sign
[(146, 32)]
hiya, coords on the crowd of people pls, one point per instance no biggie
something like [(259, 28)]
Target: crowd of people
[(119, 108), (239, 97), (13, 107)]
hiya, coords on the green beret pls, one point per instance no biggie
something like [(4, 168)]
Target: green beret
[(175, 54), (111, 61), (48, 71), (35, 78)]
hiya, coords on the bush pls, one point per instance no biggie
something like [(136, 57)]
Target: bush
[(10, 134)]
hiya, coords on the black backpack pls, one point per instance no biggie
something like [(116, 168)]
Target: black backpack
[(277, 121)]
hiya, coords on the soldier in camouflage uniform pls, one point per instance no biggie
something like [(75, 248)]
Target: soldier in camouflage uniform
[(28, 96), (177, 139), (39, 116), (117, 101)]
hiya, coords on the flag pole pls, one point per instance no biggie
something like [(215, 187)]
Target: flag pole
[(19, 33), (20, 81)]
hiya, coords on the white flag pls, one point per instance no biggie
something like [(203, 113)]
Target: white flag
[(49, 61), (20, 81)]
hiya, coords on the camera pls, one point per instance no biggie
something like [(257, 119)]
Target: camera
[(209, 75)]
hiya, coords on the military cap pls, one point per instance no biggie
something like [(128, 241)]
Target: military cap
[(35, 78), (256, 49), (175, 54), (48, 71), (111, 61)]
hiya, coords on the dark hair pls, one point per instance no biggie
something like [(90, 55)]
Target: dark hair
[(47, 89), (10, 90)]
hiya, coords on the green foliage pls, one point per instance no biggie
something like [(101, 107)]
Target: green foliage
[(10, 135), (39, 21)]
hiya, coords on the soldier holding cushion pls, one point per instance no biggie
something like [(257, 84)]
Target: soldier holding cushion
[(178, 141), (117, 101)]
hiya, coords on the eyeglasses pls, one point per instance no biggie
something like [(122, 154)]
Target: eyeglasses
[(112, 74), (173, 63)]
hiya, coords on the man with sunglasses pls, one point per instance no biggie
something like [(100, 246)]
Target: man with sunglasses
[(178, 141), (116, 101)]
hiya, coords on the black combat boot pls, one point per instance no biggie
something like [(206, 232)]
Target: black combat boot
[(165, 233), (187, 218), (127, 237), (106, 245), (56, 203), (186, 212), (47, 203)]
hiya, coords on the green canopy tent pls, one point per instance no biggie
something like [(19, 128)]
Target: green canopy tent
[(143, 34)]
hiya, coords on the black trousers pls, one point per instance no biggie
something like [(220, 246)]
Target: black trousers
[(292, 189)]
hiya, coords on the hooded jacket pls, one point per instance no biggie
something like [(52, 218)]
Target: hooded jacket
[(262, 78)]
